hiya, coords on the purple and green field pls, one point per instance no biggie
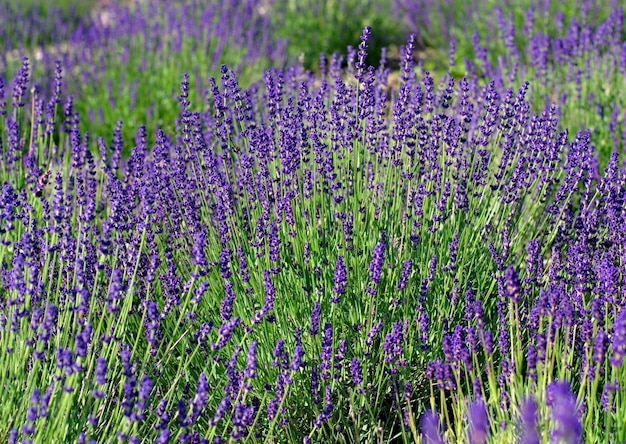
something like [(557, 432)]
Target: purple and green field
[(288, 221)]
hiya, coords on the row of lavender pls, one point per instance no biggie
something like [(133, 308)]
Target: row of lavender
[(125, 61), (578, 63), (318, 259)]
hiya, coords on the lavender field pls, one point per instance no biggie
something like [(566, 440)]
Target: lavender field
[(277, 221)]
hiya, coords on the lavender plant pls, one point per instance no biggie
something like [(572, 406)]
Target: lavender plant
[(565, 50), (566, 67), (33, 23), (314, 259)]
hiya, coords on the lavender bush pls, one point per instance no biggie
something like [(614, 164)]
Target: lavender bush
[(30, 23), (124, 61), (323, 258), (580, 66)]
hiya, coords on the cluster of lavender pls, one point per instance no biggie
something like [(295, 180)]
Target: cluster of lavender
[(40, 27), (316, 259), (573, 54), (124, 60)]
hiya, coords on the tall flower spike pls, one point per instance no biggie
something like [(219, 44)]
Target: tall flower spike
[(362, 54), (478, 423), (512, 284), (20, 85), (376, 266), (568, 428), (340, 280), (315, 319), (407, 59), (406, 272), (3, 103), (618, 340), (431, 431), (529, 422)]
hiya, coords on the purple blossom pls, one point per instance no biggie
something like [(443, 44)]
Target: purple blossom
[(376, 266), (326, 354), (222, 408), (431, 430), (406, 272), (599, 347), (226, 306), (225, 333), (393, 345), (369, 340), (164, 436), (356, 370), (478, 423), (362, 53), (568, 428), (199, 257), (201, 397), (529, 422), (298, 355), (512, 284), (340, 280), (22, 79), (618, 340), (453, 248), (315, 319), (101, 371), (251, 361)]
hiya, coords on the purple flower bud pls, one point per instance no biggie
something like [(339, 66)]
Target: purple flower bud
[(453, 247), (512, 284), (340, 280), (28, 429), (31, 413), (145, 388), (315, 319), (163, 437), (20, 85), (298, 354), (355, 369), (201, 397), (279, 353), (393, 345), (362, 54), (199, 258), (101, 371), (568, 428), (376, 265), (225, 333), (529, 422), (431, 430), (82, 341), (599, 346), (251, 361), (221, 410), (406, 272), (13, 434), (226, 307), (373, 332), (618, 340), (326, 354), (478, 423)]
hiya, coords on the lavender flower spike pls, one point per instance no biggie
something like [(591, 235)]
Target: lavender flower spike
[(529, 422), (478, 423), (431, 431), (568, 429)]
